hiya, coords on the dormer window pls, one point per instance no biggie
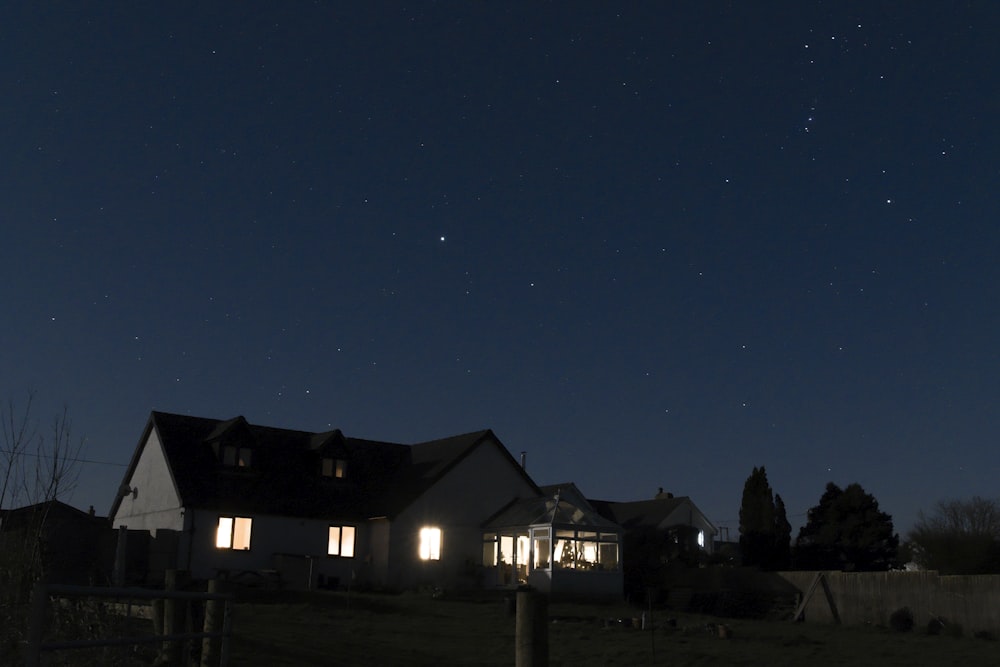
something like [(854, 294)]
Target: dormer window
[(236, 457), (336, 468)]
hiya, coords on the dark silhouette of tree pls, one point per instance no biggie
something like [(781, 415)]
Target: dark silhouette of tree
[(959, 537), (782, 536), (765, 533), (846, 531)]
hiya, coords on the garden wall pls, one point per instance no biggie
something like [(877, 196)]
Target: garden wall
[(870, 597)]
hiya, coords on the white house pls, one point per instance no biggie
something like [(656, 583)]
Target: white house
[(324, 508)]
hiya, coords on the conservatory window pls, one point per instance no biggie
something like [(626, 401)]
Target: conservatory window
[(585, 550), (490, 549), (542, 548)]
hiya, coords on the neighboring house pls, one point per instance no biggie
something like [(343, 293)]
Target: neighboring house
[(675, 517), (324, 508), (660, 536), (71, 546)]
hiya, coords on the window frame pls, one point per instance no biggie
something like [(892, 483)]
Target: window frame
[(429, 541), (237, 526), (238, 454), (341, 529)]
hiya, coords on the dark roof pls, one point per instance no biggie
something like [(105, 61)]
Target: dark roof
[(550, 509), (283, 478), (50, 510), (641, 512)]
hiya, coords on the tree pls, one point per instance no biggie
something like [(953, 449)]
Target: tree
[(846, 531), (782, 535), (959, 537), (35, 468), (764, 529)]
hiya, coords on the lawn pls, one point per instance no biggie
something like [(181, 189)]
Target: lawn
[(416, 629)]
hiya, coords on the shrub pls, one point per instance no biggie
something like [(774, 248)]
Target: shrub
[(901, 620), (953, 630)]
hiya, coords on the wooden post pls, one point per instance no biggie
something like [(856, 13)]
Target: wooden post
[(531, 637), (211, 647), (36, 624), (819, 579), (174, 652), (121, 555)]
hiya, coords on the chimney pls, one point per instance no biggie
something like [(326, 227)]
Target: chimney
[(91, 511), (524, 459)]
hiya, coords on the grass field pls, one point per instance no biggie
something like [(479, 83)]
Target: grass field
[(414, 629)]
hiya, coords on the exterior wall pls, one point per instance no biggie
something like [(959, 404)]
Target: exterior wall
[(689, 515), (377, 555), (296, 547), (587, 583), (482, 483), (155, 503)]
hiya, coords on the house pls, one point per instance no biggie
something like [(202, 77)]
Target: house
[(675, 516), (327, 509), (65, 544), (659, 534)]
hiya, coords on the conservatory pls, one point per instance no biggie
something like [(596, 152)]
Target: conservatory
[(555, 543)]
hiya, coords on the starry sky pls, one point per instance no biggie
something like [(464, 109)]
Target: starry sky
[(651, 244)]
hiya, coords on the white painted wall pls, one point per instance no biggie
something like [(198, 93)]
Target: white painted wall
[(482, 483), (270, 535), (155, 502)]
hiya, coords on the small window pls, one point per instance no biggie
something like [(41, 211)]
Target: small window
[(236, 457), (336, 468), (489, 549), (341, 541), (542, 548), (701, 539), (233, 533), (430, 544)]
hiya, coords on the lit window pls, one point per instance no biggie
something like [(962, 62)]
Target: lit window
[(585, 550), (701, 539), (341, 541), (490, 549), (233, 533), (334, 468), (430, 544), (236, 457), (543, 545)]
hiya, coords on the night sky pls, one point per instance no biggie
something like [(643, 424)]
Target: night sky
[(655, 244)]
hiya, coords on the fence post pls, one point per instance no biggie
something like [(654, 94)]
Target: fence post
[(174, 616), (531, 636), (36, 625), (214, 611)]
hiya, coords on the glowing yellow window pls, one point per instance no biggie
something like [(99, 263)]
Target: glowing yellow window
[(233, 532), (341, 541), (430, 544)]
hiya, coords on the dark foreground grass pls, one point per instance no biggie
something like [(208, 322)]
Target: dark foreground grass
[(413, 629)]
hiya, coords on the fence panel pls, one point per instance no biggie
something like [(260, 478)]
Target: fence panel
[(41, 603)]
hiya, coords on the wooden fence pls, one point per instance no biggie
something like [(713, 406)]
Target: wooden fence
[(871, 597), (215, 634)]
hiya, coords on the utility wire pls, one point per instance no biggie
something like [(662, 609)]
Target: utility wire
[(74, 460)]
